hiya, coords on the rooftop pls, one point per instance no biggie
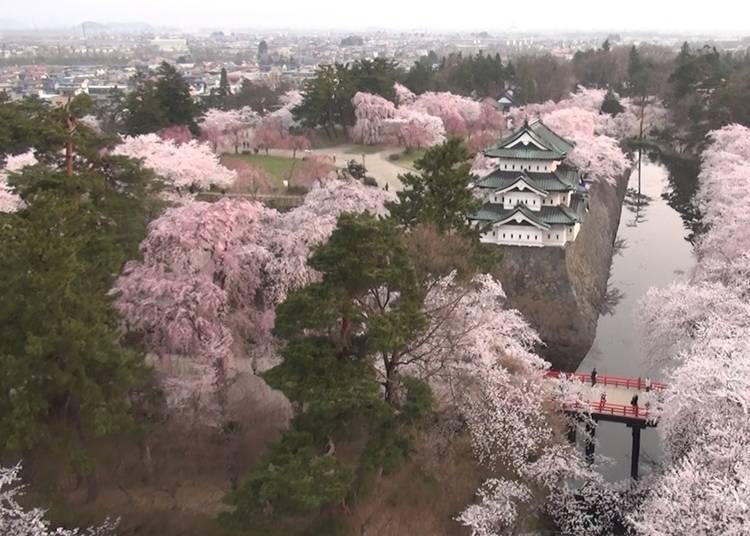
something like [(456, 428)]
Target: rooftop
[(533, 141), (546, 216), (563, 179)]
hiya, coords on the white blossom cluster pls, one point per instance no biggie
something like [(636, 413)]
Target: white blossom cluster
[(700, 331), (16, 520)]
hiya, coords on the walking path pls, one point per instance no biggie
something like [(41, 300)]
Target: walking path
[(377, 164)]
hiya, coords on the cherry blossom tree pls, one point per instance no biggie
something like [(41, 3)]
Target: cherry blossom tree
[(297, 142), (599, 157), (211, 275), (311, 169), (284, 116), (16, 520), (268, 135), (583, 99), (371, 113), (404, 95), (224, 128), (421, 121), (179, 134), (573, 122), (415, 130), (191, 165), (250, 179), (480, 356), (457, 113), (497, 509), (9, 200), (480, 140), (699, 331)]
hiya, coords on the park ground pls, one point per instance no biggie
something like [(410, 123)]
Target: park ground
[(385, 165)]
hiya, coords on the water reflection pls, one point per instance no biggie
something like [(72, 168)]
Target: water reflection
[(683, 184), (652, 251), (636, 203)]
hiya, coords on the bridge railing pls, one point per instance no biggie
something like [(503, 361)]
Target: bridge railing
[(614, 381), (608, 408)]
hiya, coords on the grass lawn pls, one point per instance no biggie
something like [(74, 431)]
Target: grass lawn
[(407, 159), (279, 168)]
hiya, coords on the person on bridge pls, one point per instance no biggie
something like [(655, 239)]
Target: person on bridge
[(647, 383), (602, 400), (593, 377), (634, 403)]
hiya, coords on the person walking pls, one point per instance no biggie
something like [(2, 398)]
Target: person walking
[(648, 384), (602, 400), (593, 377), (634, 403)]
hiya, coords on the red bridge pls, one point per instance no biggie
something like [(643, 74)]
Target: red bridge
[(613, 399)]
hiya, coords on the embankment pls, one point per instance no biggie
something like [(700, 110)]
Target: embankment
[(560, 291)]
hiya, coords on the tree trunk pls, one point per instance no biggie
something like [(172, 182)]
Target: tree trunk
[(70, 123), (390, 368), (69, 157)]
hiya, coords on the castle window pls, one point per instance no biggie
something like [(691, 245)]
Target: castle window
[(503, 235), (558, 237), (549, 236)]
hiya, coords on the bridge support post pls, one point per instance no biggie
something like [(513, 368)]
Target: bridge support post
[(590, 441), (635, 451)]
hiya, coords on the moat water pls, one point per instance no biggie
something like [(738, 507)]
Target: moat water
[(653, 251)]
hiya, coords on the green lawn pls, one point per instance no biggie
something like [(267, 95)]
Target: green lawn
[(279, 168), (407, 159)]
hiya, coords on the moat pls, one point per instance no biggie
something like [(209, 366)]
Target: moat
[(652, 251)]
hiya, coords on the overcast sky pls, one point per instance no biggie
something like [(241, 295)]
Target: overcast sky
[(717, 16)]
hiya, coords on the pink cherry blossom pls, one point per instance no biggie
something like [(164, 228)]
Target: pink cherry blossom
[(404, 96), (371, 112), (189, 165), (224, 129), (211, 275), (411, 129)]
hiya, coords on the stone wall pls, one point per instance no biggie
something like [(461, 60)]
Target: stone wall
[(560, 290)]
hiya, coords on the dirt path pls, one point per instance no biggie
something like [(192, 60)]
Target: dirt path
[(377, 164)]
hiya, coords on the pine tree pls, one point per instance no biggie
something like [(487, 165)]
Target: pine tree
[(160, 103), (439, 193), (359, 318), (66, 377), (611, 105), (173, 95)]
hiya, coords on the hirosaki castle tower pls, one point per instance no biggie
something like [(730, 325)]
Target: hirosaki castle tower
[(533, 197)]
